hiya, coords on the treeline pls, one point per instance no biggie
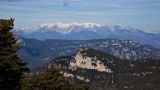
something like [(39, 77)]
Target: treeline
[(13, 71)]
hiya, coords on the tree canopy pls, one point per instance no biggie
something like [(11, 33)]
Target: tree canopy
[(11, 67)]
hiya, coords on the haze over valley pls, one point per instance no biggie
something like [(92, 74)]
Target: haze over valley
[(79, 45)]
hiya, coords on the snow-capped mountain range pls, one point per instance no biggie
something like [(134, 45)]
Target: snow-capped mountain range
[(62, 28), (66, 28), (87, 31)]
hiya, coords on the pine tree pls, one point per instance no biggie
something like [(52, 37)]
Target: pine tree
[(48, 79), (11, 67)]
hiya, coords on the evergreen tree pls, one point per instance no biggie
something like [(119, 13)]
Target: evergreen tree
[(50, 79), (11, 67)]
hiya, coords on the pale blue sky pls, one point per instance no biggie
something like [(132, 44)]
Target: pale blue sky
[(142, 14)]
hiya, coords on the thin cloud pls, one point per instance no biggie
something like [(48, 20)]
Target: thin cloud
[(65, 2), (11, 0)]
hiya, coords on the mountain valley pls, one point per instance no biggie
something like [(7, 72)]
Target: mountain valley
[(37, 53)]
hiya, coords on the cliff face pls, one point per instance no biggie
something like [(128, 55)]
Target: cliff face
[(85, 62)]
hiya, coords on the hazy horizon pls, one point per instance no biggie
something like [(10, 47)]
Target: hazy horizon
[(140, 14)]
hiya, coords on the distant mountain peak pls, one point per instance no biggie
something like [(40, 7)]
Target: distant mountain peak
[(67, 25), (65, 28)]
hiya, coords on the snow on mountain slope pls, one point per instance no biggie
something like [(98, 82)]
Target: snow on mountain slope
[(62, 28), (86, 31), (65, 28)]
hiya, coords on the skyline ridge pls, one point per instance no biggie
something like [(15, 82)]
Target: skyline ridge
[(142, 14), (67, 26)]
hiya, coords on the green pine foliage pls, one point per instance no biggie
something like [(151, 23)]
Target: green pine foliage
[(11, 67), (50, 79), (47, 80)]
